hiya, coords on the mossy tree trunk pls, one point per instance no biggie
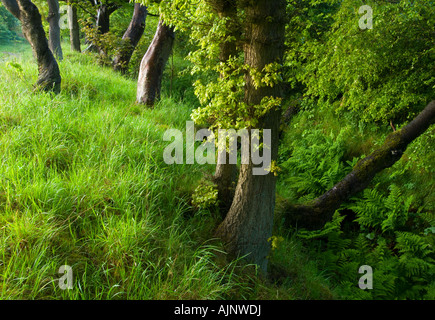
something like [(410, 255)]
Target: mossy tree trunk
[(248, 225), (314, 215)]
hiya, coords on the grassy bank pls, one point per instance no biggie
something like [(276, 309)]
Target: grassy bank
[(84, 184)]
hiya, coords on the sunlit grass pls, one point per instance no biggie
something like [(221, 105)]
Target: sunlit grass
[(83, 183)]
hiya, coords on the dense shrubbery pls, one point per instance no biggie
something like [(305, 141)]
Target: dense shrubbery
[(379, 74), (351, 84), (390, 226)]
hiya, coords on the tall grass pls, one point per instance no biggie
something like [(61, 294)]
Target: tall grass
[(83, 183)]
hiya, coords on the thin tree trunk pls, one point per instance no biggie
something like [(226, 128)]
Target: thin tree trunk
[(103, 18), (153, 65), (102, 24), (54, 28), (49, 78), (74, 28), (133, 34), (225, 176), (314, 215), (248, 224)]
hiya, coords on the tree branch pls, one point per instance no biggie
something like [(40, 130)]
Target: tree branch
[(320, 210)]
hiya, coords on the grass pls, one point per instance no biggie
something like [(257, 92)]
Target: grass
[(83, 183)]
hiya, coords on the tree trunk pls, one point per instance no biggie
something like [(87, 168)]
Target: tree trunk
[(12, 7), (225, 176), (248, 224), (315, 214), (49, 78), (153, 65), (54, 28), (133, 34), (102, 24), (74, 28), (103, 19)]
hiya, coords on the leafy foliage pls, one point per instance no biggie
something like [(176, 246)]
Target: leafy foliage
[(381, 74), (205, 195), (8, 25), (108, 44)]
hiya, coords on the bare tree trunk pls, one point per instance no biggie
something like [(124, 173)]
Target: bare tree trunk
[(153, 65), (49, 78), (133, 34), (248, 224), (103, 18), (320, 210), (54, 28), (102, 23), (74, 28)]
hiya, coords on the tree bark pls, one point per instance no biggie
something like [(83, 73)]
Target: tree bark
[(248, 224), (74, 28), (102, 23), (49, 78), (225, 176), (12, 7), (103, 18), (314, 215), (133, 34), (153, 65), (54, 29)]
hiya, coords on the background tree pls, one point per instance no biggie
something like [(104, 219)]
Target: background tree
[(49, 78), (104, 10), (54, 28), (132, 36), (74, 27)]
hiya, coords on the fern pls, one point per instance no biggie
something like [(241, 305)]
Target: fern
[(403, 258), (414, 244), (316, 163)]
